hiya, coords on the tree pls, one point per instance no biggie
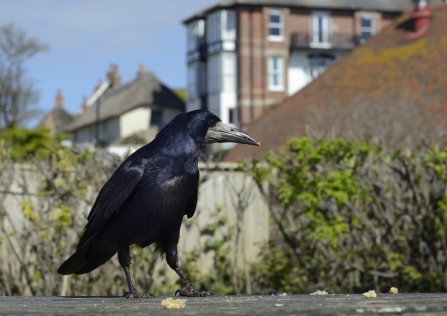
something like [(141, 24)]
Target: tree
[(17, 96)]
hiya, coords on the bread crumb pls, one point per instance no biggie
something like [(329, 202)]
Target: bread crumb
[(171, 303), (370, 294), (318, 292), (394, 290), (283, 294)]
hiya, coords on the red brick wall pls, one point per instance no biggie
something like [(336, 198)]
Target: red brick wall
[(253, 49)]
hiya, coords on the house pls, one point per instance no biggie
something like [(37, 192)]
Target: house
[(58, 118), (132, 113), (402, 64), (245, 56)]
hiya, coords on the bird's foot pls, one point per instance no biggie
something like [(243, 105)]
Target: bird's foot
[(190, 291), (135, 294)]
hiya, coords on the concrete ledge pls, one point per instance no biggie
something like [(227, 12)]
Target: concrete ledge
[(339, 304)]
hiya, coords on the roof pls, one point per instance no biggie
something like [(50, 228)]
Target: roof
[(58, 118), (389, 6), (146, 89), (388, 65)]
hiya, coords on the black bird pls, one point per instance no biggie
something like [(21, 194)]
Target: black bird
[(145, 199)]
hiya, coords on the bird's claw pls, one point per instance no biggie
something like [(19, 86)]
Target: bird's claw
[(190, 291), (135, 294)]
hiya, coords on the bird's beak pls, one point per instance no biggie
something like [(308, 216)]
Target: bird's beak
[(223, 133)]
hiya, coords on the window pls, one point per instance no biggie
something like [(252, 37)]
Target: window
[(276, 25), (195, 34), (213, 30), (232, 116), (193, 81), (221, 31), (229, 71), (156, 117), (214, 74), (320, 36), (229, 27), (367, 27), (319, 63), (196, 81), (276, 73)]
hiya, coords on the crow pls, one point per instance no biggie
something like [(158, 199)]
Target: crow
[(145, 199)]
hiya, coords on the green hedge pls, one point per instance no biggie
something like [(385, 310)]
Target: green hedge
[(348, 217)]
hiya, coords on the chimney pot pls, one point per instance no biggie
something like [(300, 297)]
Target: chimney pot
[(421, 19), (141, 69), (113, 76), (59, 99), (84, 104)]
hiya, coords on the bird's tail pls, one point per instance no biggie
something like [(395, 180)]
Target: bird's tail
[(86, 259), (75, 262)]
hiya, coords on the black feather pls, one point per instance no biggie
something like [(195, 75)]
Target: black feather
[(146, 198)]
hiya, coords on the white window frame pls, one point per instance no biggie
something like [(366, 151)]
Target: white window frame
[(279, 25), (228, 27), (371, 29), (228, 68), (276, 73), (325, 40)]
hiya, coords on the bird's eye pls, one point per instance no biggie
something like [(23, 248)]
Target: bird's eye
[(212, 122)]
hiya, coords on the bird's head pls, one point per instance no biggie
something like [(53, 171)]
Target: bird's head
[(189, 132), (210, 129)]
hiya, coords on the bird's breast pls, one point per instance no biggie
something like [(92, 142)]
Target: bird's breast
[(172, 182)]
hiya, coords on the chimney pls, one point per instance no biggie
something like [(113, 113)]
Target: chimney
[(421, 19), (59, 103), (113, 77), (141, 70), (84, 105)]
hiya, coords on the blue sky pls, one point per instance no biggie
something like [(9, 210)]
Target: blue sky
[(86, 36)]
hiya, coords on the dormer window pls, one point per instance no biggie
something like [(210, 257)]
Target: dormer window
[(367, 27), (276, 25)]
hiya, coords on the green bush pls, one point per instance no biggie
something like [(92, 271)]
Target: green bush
[(348, 217), (24, 143)]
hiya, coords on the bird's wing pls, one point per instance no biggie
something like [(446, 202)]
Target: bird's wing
[(192, 203), (112, 195)]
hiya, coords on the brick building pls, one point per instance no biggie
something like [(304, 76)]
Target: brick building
[(402, 64), (245, 56)]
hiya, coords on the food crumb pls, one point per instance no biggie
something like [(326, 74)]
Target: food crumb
[(279, 305), (171, 303), (394, 290), (318, 292), (370, 294), (283, 294)]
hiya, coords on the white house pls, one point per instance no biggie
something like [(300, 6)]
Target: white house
[(114, 112)]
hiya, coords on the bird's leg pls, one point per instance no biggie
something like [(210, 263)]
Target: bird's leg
[(124, 259), (172, 260)]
